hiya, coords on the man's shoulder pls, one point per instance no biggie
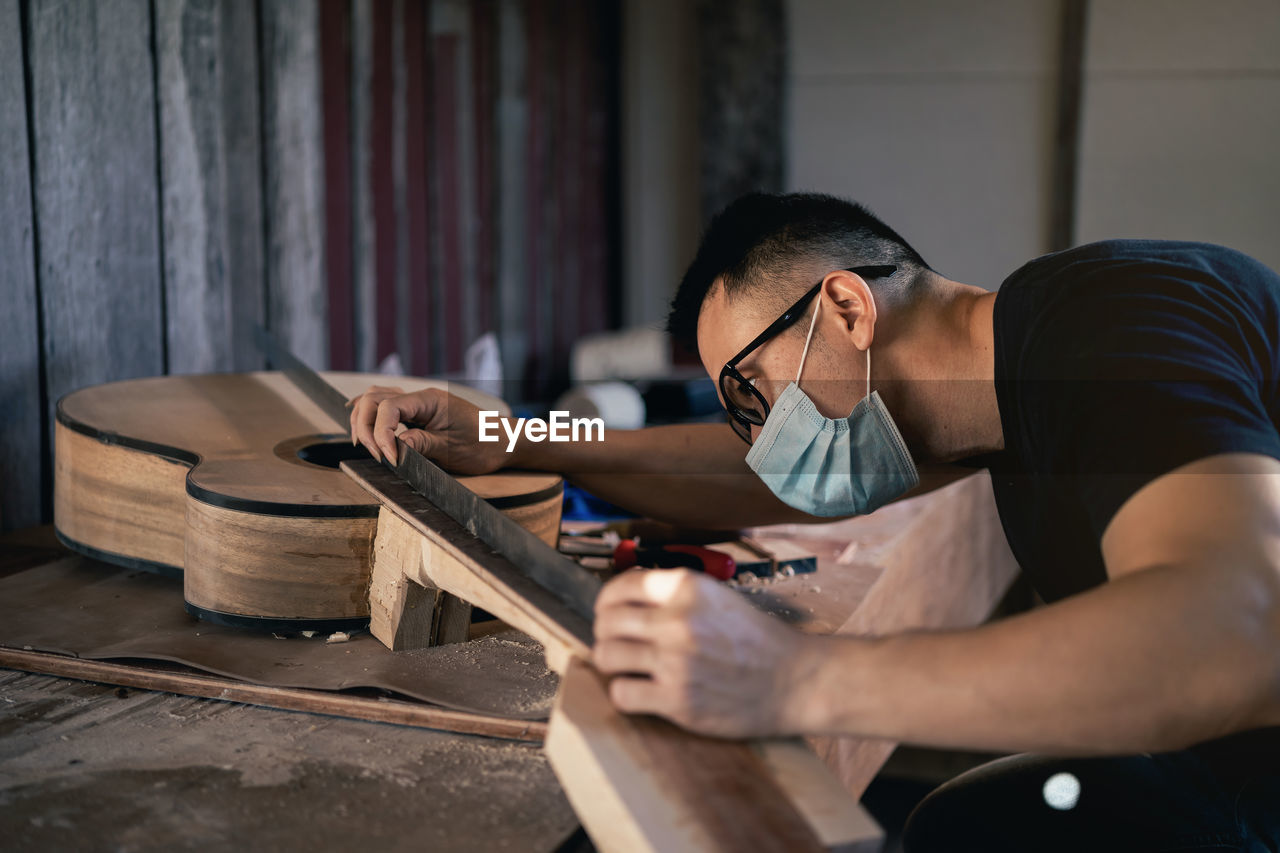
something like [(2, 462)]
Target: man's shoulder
[(1131, 257)]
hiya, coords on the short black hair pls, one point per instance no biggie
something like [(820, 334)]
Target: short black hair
[(761, 237)]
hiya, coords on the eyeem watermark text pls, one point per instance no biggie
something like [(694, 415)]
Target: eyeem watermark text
[(559, 427)]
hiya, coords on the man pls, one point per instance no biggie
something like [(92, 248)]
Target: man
[(1125, 396)]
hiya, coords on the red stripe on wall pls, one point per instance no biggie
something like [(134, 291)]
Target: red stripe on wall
[(593, 257), (417, 190), (448, 196), (382, 176), (483, 58), (335, 80), (535, 188)]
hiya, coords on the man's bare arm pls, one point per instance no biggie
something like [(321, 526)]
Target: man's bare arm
[(1182, 645), (693, 475)]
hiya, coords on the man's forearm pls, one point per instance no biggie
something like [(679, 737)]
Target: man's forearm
[(1155, 660), (694, 475)]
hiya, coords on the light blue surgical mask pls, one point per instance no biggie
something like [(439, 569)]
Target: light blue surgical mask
[(827, 466)]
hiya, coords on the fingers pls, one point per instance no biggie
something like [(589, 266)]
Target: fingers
[(616, 656), (376, 413), (393, 411), (363, 408), (423, 442), (654, 588), (639, 696), (630, 622)]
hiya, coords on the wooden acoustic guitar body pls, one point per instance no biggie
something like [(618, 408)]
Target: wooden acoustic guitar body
[(232, 482)]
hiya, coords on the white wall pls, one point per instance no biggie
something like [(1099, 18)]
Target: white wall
[(938, 116), (1181, 134)]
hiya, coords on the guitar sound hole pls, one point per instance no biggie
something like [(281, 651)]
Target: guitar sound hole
[(329, 453)]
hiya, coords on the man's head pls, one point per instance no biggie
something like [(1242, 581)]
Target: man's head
[(761, 254)]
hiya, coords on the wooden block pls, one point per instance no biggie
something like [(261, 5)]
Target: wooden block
[(639, 783), (407, 610), (820, 796), (454, 560)]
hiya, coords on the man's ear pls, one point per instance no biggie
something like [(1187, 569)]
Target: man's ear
[(853, 305)]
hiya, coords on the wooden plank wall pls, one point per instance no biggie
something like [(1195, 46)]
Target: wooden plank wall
[(20, 354), (364, 177)]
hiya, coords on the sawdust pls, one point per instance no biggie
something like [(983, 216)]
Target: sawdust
[(152, 771)]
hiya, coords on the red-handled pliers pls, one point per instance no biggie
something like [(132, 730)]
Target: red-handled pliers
[(717, 564)]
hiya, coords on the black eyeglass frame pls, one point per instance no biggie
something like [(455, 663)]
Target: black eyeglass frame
[(741, 420)]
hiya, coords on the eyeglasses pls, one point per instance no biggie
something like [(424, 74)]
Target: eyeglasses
[(745, 405)]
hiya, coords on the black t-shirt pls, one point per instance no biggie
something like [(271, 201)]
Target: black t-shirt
[(1115, 363)]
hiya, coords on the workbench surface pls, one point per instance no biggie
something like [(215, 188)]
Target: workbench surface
[(86, 766)]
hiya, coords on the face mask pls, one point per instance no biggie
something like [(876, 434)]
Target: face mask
[(830, 467)]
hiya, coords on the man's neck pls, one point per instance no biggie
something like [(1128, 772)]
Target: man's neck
[(942, 358)]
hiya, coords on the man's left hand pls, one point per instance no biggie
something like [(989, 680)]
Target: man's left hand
[(688, 648)]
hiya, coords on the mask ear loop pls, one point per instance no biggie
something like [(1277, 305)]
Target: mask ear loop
[(809, 338), (868, 373)]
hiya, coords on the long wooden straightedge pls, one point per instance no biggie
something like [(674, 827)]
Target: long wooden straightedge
[(637, 783), (378, 710)]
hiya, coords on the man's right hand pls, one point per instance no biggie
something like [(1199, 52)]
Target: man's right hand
[(443, 427)]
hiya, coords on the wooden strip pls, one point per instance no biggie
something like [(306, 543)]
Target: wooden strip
[(21, 487), (1066, 141), (444, 64), (402, 612), (96, 194), (382, 175), (363, 236), (422, 344), (283, 698), (197, 92), (535, 197), (512, 130), (483, 93), (459, 563), (601, 233), (335, 64), (293, 156), (568, 168), (641, 784), (242, 127)]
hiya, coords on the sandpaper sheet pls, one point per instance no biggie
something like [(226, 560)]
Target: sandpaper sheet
[(73, 605)]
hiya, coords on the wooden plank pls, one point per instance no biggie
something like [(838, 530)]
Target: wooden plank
[(1066, 140), (22, 482), (382, 176), (242, 127), (420, 340), (284, 698), (209, 166), (96, 195), (641, 784), (404, 613), (484, 92), (512, 131), (454, 560), (364, 281), (335, 47), (743, 91), (450, 217), (293, 159)]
